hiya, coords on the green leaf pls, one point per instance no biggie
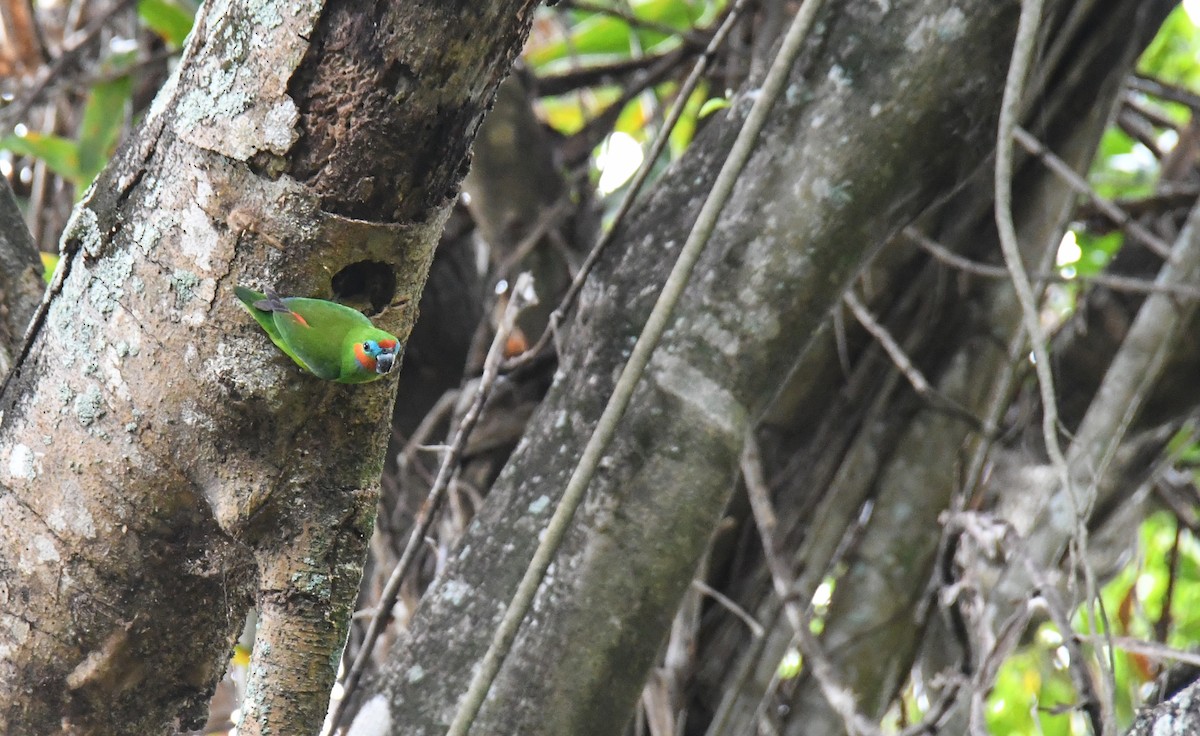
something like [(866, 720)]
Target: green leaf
[(685, 129), (49, 263), (60, 154), (1174, 54), (600, 37), (103, 119), (712, 105), (171, 20)]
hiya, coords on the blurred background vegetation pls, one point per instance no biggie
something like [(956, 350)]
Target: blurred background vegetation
[(76, 75)]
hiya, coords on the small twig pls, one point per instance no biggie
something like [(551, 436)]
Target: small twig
[(1031, 12), (1007, 638), (904, 364), (548, 219), (1173, 490), (1109, 281), (635, 185), (420, 436), (899, 358), (1162, 626), (1165, 91), (522, 296), (1154, 115), (1133, 124), (756, 629), (581, 143), (840, 697), (1081, 676), (930, 723), (1168, 197), (1145, 648), (1120, 218), (550, 85)]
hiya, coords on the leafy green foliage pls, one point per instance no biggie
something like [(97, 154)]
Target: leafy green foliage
[(599, 36), (1174, 55), (602, 34), (79, 160), (170, 20)]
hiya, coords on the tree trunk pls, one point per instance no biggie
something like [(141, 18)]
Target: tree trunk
[(161, 454)]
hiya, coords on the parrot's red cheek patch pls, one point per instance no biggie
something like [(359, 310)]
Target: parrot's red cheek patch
[(366, 361)]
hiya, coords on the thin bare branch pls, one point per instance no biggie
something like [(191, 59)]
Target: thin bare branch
[(904, 364), (1161, 652), (1120, 218), (1165, 90), (1014, 91), (840, 697), (756, 629), (590, 75), (899, 358), (1127, 284)]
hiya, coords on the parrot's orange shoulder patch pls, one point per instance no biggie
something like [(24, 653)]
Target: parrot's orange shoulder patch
[(303, 322)]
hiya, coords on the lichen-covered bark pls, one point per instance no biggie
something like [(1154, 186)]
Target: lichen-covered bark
[(1178, 716), (157, 454), (893, 106)]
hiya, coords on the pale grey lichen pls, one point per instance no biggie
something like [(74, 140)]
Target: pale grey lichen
[(84, 227), (315, 584), (70, 514), (235, 101), (946, 27), (707, 398), (21, 463), (455, 591), (89, 406), (184, 284)]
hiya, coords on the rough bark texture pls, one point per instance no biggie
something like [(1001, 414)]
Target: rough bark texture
[(1179, 716), (21, 284), (892, 108), (158, 449)]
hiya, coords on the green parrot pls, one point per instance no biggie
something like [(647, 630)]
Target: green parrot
[(327, 339)]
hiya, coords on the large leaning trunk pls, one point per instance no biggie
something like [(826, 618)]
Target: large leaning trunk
[(161, 455)]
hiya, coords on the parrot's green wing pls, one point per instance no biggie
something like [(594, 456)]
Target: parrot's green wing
[(266, 319), (316, 331)]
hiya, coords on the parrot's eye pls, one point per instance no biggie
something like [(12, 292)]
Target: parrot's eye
[(370, 347)]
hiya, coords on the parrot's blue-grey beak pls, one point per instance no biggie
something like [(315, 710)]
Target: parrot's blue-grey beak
[(384, 363)]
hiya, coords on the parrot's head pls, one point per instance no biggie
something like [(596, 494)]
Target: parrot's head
[(378, 356)]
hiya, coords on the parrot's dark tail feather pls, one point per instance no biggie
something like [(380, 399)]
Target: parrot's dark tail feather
[(273, 303)]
